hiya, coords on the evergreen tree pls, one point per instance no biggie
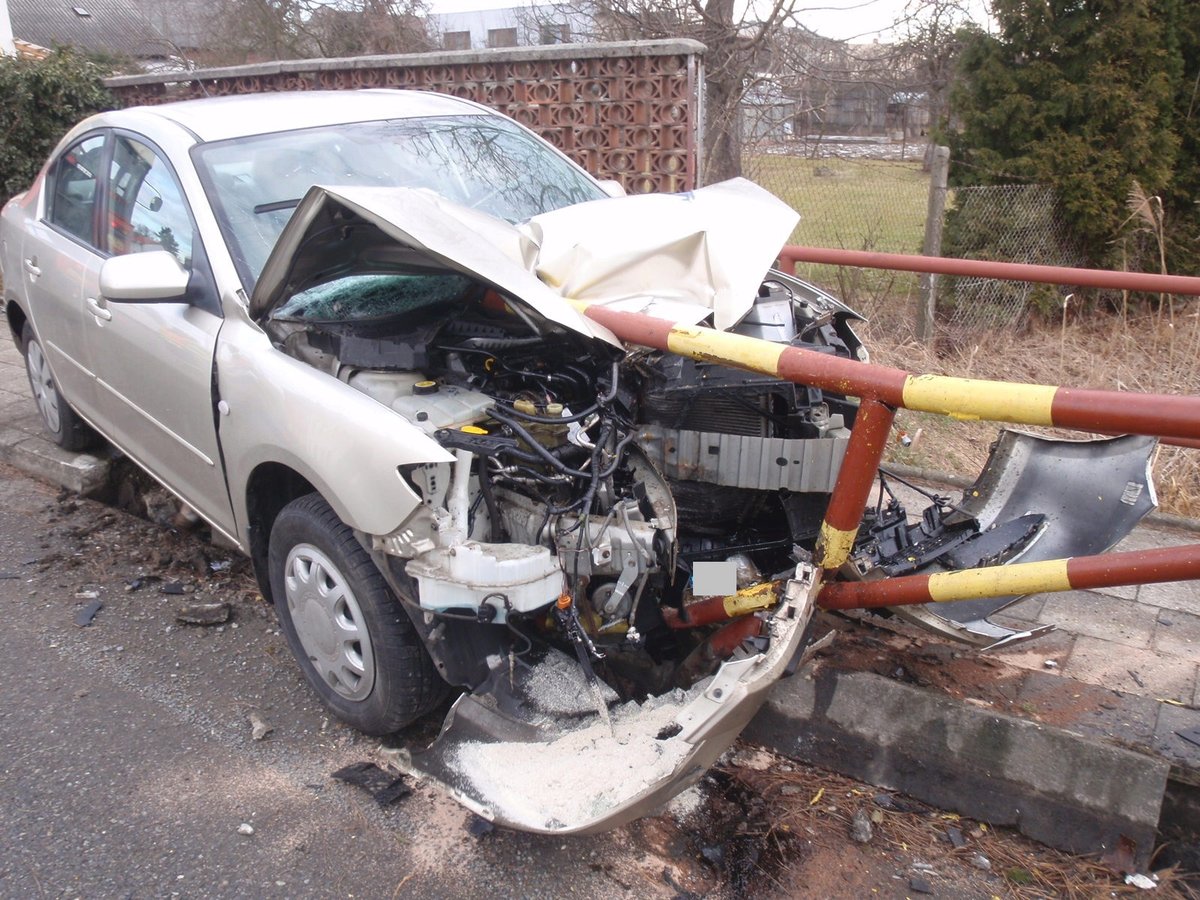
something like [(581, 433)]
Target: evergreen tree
[(1078, 94)]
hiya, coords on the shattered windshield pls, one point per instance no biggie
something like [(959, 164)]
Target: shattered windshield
[(484, 162)]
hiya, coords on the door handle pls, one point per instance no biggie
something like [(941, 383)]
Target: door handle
[(97, 310), (31, 266)]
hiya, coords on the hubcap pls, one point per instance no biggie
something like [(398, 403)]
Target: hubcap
[(42, 383), (329, 622)]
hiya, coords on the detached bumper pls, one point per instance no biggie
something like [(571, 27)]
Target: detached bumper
[(514, 764)]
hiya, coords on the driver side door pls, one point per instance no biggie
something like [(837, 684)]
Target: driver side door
[(153, 361)]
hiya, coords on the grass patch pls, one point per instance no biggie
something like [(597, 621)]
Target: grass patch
[(867, 204)]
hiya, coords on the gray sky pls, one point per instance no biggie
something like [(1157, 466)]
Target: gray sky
[(840, 19)]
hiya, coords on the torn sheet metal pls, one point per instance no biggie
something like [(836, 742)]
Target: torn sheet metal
[(1092, 493), (679, 256), (438, 230)]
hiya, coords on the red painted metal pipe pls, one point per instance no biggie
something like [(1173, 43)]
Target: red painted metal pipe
[(1159, 415), (856, 477), (1077, 573), (978, 268)]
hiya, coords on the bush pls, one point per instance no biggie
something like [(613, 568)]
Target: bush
[(39, 102)]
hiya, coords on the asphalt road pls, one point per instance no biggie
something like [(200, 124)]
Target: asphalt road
[(127, 763)]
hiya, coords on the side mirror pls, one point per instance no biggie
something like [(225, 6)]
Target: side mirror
[(612, 188), (152, 277)]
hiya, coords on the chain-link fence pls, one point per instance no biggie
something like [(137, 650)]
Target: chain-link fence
[(1007, 223), (862, 195), (873, 195)]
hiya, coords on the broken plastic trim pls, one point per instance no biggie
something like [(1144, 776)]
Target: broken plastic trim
[(1091, 492), (574, 793)]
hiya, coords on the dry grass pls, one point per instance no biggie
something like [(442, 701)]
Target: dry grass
[(1142, 353), (805, 800)]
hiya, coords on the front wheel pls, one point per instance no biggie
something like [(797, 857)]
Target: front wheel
[(66, 428), (354, 642)]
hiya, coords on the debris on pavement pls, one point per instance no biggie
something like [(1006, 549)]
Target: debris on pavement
[(861, 829), (175, 588), (385, 787), (1191, 735), (259, 728), (203, 613), (920, 885), (1141, 881), (87, 613), (479, 827), (246, 828)]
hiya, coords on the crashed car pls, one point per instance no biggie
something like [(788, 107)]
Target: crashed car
[(345, 329)]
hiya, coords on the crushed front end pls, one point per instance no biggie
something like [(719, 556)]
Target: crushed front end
[(616, 564)]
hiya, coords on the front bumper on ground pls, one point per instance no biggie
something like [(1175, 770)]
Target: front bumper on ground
[(518, 765)]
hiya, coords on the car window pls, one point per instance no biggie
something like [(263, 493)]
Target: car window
[(73, 205), (484, 162), (146, 209)]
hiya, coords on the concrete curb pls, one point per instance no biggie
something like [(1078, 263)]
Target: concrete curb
[(1052, 785), (79, 472)]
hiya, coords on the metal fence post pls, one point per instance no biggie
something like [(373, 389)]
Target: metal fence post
[(934, 219)]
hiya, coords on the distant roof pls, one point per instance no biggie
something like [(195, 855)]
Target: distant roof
[(104, 26)]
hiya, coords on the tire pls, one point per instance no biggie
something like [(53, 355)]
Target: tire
[(66, 428), (353, 640)]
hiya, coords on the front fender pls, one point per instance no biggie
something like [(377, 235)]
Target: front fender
[(275, 409)]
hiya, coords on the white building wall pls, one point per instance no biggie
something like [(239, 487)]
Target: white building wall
[(526, 20), (6, 35)]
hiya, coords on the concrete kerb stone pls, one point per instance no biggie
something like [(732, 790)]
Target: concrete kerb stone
[(79, 472), (1056, 787)]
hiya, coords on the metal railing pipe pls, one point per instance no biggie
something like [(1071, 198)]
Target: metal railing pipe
[(1076, 573), (978, 268), (1124, 412)]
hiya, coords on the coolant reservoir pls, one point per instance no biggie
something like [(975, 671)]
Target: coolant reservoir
[(425, 403), (472, 574)]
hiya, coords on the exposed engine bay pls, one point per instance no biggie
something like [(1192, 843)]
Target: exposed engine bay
[(592, 475)]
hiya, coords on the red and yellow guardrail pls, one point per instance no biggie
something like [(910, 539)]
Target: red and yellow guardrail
[(883, 389)]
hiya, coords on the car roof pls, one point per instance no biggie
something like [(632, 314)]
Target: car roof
[(242, 115)]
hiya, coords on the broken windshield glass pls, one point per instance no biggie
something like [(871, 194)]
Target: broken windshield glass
[(372, 296)]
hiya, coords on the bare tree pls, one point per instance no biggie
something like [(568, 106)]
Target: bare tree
[(255, 30), (738, 40), (933, 39)]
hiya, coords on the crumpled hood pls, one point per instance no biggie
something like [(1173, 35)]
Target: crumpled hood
[(677, 256)]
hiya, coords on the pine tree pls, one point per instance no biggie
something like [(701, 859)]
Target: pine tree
[(1079, 94)]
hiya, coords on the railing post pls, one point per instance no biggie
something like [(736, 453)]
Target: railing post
[(934, 219)]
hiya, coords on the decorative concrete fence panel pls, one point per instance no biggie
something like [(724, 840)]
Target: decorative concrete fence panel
[(629, 111)]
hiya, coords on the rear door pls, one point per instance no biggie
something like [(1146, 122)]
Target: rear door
[(60, 262), (153, 362)]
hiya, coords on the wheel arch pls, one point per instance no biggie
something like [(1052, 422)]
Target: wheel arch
[(270, 487), (16, 318)]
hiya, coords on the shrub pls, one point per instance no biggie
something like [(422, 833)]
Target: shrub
[(39, 102)]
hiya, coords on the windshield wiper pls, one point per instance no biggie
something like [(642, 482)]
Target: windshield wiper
[(276, 206)]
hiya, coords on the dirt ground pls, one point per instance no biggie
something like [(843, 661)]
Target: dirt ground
[(756, 826)]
